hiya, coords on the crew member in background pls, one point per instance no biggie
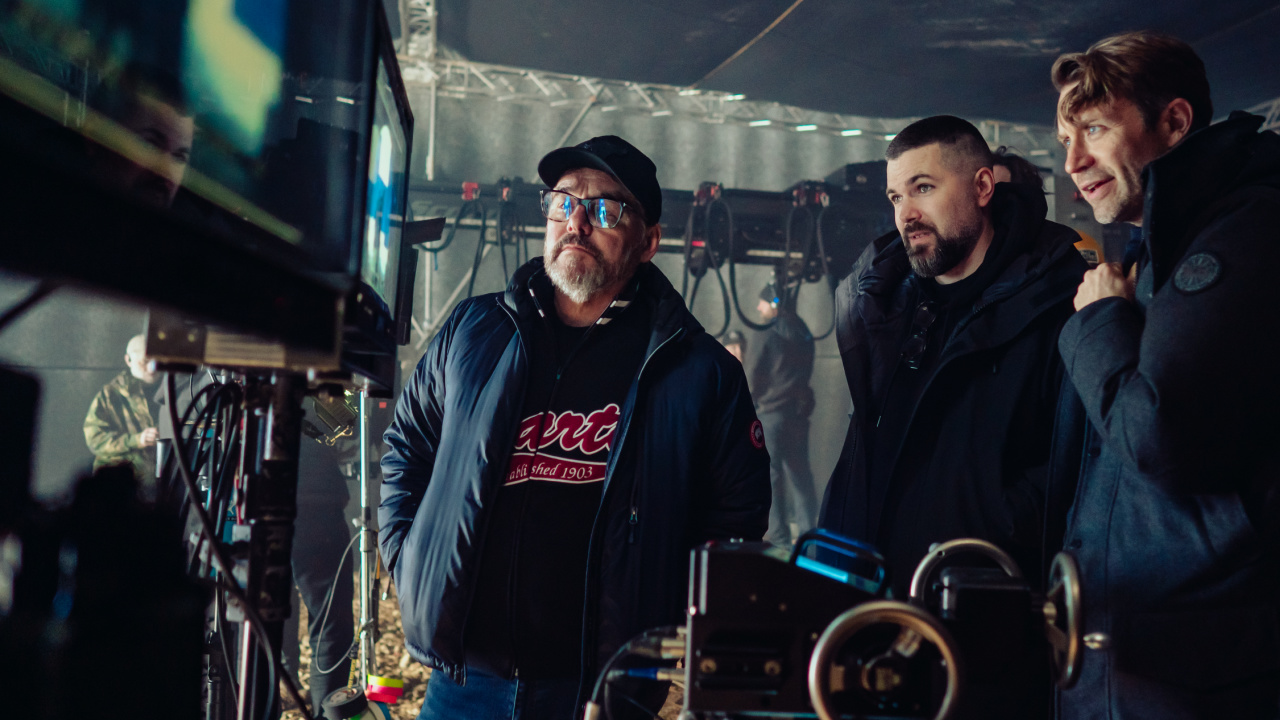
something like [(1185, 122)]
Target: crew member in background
[(779, 362), (948, 333), (557, 453), (1010, 167), (1173, 354), (120, 428), (323, 562)]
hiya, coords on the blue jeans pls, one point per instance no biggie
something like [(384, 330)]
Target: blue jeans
[(488, 697)]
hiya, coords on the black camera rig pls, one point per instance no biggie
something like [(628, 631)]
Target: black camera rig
[(812, 634)]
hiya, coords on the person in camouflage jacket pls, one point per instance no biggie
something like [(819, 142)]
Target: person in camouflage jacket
[(120, 427)]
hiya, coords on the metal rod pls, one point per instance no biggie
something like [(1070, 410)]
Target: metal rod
[(448, 304), (368, 545), (431, 130), (576, 121), (248, 650)]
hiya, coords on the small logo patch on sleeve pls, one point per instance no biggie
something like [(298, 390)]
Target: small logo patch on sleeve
[(1198, 272), (757, 435)]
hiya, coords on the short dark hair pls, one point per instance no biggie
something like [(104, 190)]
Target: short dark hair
[(1147, 68), (957, 136), (1021, 170)]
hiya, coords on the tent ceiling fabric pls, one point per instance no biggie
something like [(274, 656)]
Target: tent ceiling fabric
[(982, 59)]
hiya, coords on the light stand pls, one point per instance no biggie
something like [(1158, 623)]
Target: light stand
[(368, 552)]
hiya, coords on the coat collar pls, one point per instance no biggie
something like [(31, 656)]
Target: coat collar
[(1183, 185), (667, 312)]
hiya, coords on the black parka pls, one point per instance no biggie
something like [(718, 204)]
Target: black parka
[(688, 465), (979, 439), (1176, 518)]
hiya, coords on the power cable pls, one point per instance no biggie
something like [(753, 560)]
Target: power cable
[(733, 275), (480, 245), (227, 579), (328, 601), (467, 207), (826, 273), (713, 262)]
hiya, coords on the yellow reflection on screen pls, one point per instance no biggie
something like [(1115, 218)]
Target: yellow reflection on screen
[(227, 63)]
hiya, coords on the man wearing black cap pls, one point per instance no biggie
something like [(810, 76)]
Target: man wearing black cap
[(779, 364), (558, 451)]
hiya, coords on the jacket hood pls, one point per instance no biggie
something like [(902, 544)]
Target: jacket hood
[(667, 309), (1210, 164)]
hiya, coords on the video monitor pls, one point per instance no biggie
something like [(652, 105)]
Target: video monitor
[(381, 303), (385, 198), (210, 156)]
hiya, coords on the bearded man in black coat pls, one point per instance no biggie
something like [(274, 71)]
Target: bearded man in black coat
[(948, 332)]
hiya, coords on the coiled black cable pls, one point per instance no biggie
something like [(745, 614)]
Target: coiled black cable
[(480, 244), (826, 272), (713, 263), (468, 207), (733, 275)]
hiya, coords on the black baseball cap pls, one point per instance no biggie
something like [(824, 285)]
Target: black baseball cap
[(770, 294), (615, 156)]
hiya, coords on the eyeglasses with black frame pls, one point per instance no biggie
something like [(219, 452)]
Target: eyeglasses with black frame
[(913, 349), (603, 213)]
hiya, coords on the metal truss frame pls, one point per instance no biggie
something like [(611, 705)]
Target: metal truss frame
[(466, 80), (424, 66)]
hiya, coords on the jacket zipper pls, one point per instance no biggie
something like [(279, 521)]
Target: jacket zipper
[(588, 638)]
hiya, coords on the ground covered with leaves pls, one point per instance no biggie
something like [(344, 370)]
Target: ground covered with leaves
[(393, 660), (390, 656)]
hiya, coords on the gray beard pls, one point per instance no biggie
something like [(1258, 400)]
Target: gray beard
[(947, 253), (580, 280)]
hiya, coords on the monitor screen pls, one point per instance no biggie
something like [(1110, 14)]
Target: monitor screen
[(170, 139), (386, 194)]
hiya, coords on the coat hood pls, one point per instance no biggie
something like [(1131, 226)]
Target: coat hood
[(1184, 186), (1033, 249)]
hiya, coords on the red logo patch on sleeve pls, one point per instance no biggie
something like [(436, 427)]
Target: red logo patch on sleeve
[(757, 435)]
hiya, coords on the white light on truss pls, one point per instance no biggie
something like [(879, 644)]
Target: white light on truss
[(890, 136), (608, 108), (854, 132), (760, 123), (735, 97), (806, 128), (689, 92), (346, 100), (303, 99), (660, 113)]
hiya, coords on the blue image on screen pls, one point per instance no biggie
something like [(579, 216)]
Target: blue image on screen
[(384, 219)]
